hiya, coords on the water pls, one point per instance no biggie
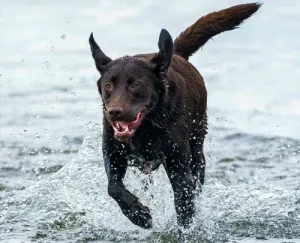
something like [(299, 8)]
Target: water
[(52, 180)]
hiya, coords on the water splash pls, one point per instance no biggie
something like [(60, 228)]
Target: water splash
[(73, 204)]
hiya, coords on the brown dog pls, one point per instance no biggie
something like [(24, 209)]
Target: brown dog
[(155, 113)]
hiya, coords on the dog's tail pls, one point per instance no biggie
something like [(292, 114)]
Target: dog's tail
[(195, 36)]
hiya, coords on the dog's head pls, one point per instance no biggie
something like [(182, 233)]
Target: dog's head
[(131, 87)]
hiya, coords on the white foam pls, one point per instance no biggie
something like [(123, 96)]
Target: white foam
[(76, 200)]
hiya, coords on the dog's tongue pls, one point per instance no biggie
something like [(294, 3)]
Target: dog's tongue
[(126, 129), (122, 127)]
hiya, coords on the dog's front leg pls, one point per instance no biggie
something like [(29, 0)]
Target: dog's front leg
[(179, 172), (137, 213)]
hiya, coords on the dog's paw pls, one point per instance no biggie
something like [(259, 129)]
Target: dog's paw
[(139, 215)]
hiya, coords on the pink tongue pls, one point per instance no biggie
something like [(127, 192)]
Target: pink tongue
[(124, 125), (127, 127)]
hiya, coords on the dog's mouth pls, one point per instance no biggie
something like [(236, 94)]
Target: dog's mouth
[(125, 130)]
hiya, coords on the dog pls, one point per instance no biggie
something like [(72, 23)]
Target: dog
[(154, 113)]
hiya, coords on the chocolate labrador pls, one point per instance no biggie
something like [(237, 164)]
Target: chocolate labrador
[(154, 113)]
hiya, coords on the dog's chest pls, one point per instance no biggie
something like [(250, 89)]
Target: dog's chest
[(146, 158)]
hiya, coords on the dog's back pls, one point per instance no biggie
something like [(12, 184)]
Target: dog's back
[(187, 96), (182, 76)]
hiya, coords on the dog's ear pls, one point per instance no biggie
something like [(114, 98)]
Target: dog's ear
[(162, 59), (101, 60)]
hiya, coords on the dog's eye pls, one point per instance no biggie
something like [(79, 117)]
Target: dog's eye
[(135, 85), (108, 86)]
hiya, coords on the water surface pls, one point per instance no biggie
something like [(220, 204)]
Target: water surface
[(52, 180)]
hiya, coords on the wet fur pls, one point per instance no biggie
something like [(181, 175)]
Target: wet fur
[(175, 125)]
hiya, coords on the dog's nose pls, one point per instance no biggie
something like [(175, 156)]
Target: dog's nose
[(115, 113)]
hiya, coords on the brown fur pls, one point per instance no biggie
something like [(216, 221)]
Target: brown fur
[(195, 36), (172, 96)]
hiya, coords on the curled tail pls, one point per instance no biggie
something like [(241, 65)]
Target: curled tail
[(195, 36)]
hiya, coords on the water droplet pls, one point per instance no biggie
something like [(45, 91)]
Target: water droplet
[(63, 36), (47, 64)]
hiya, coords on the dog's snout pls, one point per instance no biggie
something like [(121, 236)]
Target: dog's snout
[(116, 113)]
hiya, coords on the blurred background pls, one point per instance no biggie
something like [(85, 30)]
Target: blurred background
[(49, 94)]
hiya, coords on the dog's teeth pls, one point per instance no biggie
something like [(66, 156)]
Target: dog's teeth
[(115, 129), (118, 125), (127, 129)]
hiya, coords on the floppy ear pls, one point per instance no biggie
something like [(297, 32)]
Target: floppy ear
[(101, 60), (163, 58)]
